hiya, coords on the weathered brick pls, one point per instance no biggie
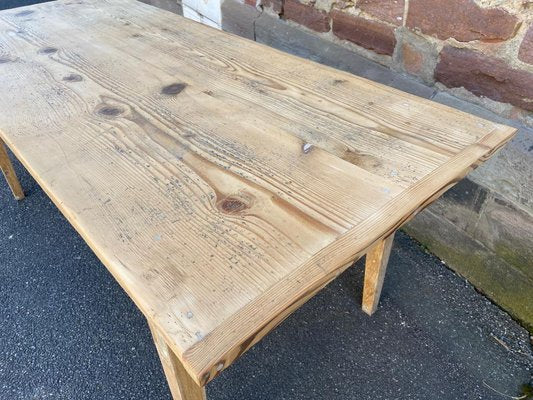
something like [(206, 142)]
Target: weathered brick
[(412, 59), (306, 15), (274, 5), (415, 54), (485, 76), (324, 5), (525, 53), (385, 10), (369, 34), (462, 20)]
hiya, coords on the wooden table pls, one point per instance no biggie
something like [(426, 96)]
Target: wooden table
[(221, 182)]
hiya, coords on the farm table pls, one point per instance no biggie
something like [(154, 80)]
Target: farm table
[(221, 182)]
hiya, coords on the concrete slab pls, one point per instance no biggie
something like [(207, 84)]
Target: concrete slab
[(509, 172), (239, 18), (169, 5)]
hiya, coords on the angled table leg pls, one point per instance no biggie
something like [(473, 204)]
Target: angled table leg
[(9, 173), (375, 267), (182, 386)]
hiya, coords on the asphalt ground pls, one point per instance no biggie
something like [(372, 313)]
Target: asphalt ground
[(6, 4)]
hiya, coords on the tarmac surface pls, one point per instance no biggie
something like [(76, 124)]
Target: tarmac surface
[(68, 331), (6, 4)]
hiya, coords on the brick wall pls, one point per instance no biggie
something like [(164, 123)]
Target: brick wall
[(480, 50)]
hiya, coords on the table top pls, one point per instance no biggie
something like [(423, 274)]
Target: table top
[(220, 181)]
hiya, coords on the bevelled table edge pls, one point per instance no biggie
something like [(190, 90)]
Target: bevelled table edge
[(332, 260)]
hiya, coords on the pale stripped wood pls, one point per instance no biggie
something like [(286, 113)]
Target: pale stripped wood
[(364, 127), (375, 268), (278, 302), (221, 182), (9, 173), (182, 386)]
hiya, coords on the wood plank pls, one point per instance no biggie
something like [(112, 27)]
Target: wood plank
[(9, 173), (221, 182), (375, 268), (250, 324)]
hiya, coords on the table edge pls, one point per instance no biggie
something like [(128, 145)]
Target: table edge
[(327, 266), (341, 254)]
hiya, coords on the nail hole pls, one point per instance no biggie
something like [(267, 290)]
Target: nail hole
[(307, 147)]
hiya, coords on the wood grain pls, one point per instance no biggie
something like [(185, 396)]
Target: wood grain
[(9, 173), (375, 268), (182, 386), (221, 182)]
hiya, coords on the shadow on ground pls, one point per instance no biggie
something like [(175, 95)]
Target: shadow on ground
[(68, 331)]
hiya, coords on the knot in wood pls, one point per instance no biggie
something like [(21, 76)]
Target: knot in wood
[(73, 78), (109, 111), (174, 88), (48, 50), (232, 205)]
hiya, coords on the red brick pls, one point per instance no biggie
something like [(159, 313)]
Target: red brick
[(250, 2), (385, 10), (369, 34), (306, 15), (525, 53), (462, 20), (485, 76)]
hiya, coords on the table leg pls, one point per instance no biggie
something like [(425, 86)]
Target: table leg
[(375, 267), (182, 386), (9, 173)]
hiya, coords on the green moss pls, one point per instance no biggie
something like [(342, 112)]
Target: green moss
[(516, 257), (507, 286), (527, 392)]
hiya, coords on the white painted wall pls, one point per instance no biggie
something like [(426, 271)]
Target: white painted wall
[(204, 11)]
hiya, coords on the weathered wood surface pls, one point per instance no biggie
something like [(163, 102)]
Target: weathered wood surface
[(376, 262), (182, 386), (9, 173), (220, 181)]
